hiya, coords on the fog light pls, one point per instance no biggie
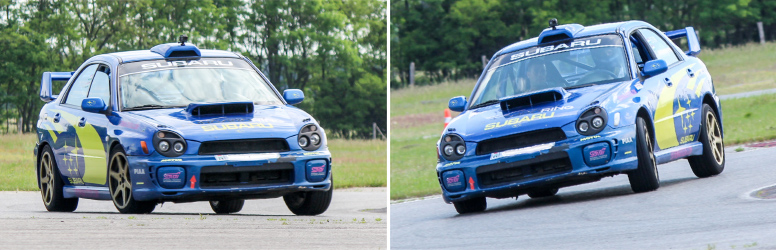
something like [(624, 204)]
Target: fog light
[(316, 170), (454, 181), (596, 154)]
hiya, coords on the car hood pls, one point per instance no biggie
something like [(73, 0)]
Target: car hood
[(264, 122), (494, 121)]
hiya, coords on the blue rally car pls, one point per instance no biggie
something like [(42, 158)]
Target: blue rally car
[(180, 124), (577, 104)]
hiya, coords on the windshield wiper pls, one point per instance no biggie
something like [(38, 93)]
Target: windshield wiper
[(487, 103), (149, 106)]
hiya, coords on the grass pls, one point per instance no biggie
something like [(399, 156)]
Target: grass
[(749, 119), (743, 68), (356, 163), (417, 118), (413, 136)]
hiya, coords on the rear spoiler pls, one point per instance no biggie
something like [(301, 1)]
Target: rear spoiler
[(45, 84), (692, 39)]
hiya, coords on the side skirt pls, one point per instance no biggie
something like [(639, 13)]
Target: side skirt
[(679, 152), (94, 193)]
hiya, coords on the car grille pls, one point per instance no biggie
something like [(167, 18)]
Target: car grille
[(531, 138), (231, 176), (505, 173), (243, 146)]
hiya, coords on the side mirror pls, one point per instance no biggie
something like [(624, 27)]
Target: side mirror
[(654, 67), (293, 96), (94, 105), (46, 91), (457, 104)]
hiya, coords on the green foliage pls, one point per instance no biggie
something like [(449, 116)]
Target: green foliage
[(447, 38), (333, 50)]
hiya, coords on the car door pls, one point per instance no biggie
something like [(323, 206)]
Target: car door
[(673, 110), (92, 131), (83, 152)]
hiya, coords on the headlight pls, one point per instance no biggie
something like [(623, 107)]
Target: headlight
[(460, 149), (164, 146), (453, 147), (164, 140), (592, 121), (448, 150), (598, 122), (310, 137)]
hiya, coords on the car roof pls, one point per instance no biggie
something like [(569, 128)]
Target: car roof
[(144, 55), (599, 29)]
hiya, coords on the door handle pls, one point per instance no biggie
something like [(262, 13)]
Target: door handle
[(690, 73), (56, 117), (668, 82), (82, 122)]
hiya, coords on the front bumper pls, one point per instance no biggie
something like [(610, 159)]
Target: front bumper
[(560, 165), (210, 177)]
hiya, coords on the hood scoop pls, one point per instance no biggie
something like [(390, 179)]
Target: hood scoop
[(529, 100), (224, 108)]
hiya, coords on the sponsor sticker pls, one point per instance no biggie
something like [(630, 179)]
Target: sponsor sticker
[(451, 164), (518, 120), (454, 181), (590, 138), (627, 140), (519, 151), (169, 160), (598, 154), (138, 171), (248, 157), (172, 177)]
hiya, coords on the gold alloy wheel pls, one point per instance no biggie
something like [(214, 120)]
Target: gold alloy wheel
[(46, 175), (714, 136), (120, 185)]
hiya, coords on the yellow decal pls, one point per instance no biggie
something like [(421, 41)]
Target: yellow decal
[(686, 139), (236, 126), (451, 164), (590, 138), (628, 152), (665, 131), (700, 87), (76, 181), (140, 183), (314, 153), (520, 119)]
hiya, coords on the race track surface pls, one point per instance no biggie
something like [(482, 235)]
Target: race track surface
[(356, 219), (684, 213)]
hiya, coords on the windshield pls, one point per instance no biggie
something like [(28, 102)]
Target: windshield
[(567, 64), (164, 84)]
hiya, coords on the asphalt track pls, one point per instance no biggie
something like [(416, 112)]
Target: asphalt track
[(356, 219), (684, 213)]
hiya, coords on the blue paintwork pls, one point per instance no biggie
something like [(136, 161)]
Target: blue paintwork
[(457, 104), (167, 49), (293, 96), (691, 87), (63, 127), (654, 67), (94, 105)]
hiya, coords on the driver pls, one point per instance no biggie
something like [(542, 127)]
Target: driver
[(536, 73), (609, 59)]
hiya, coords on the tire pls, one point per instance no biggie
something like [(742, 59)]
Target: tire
[(712, 161), (645, 178), (51, 184), (308, 203), (475, 205), (227, 206), (120, 185), (544, 192)]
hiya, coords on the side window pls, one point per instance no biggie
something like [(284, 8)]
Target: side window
[(80, 87), (659, 46), (101, 84)]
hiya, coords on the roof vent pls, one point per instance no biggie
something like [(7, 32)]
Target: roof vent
[(175, 50), (557, 33)]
